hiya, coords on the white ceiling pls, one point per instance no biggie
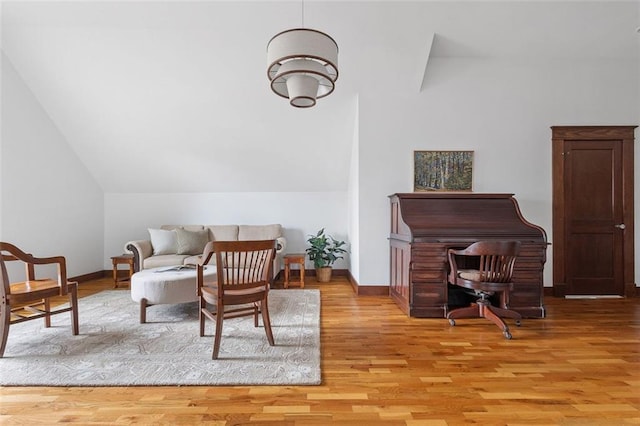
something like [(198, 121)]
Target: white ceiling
[(173, 96)]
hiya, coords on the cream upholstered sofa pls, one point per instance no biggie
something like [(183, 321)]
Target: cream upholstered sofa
[(172, 245)]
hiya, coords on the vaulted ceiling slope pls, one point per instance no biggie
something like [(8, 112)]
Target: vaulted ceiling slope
[(174, 97)]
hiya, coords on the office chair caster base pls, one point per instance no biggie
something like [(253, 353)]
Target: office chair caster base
[(507, 335), (452, 322)]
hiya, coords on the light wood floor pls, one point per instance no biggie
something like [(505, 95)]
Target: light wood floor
[(579, 366)]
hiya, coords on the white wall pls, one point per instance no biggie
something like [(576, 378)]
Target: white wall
[(50, 203), (353, 196), (501, 110), (127, 216), (637, 158)]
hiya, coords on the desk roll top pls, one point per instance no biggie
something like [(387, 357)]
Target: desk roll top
[(425, 225)]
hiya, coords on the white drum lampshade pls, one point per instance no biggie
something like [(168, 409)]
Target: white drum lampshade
[(302, 65)]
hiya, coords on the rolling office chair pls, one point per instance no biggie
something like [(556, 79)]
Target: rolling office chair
[(485, 268)]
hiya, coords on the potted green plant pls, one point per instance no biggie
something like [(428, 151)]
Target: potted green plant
[(323, 251)]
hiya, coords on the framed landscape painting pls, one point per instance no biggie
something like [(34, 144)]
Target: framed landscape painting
[(442, 170)]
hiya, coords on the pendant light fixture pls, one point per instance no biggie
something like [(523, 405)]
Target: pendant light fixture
[(302, 65)]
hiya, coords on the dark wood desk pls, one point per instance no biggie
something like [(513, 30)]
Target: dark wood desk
[(425, 225)]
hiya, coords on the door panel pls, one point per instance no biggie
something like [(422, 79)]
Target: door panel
[(593, 194), (592, 271)]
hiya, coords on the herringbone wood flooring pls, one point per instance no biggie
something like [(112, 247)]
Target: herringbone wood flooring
[(579, 366)]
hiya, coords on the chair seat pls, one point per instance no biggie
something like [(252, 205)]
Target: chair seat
[(247, 295), (34, 289), (470, 274), (488, 288)]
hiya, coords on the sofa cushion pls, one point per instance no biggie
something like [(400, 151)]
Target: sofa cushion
[(164, 260), (163, 241), (259, 232), (187, 227), (223, 232), (191, 242)]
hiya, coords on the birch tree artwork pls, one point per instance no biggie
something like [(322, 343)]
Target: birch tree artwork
[(443, 170)]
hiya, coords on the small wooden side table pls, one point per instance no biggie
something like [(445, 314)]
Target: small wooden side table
[(123, 259), (293, 258)]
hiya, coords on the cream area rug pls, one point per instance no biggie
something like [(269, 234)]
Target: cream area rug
[(114, 349)]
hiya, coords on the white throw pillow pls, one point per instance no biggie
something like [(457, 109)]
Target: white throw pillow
[(163, 241), (191, 242)]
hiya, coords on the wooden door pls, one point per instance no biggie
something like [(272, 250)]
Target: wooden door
[(593, 210)]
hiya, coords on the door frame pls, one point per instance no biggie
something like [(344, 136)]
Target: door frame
[(560, 136)]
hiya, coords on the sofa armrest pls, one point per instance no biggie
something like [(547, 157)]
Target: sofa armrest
[(141, 249), (281, 245)]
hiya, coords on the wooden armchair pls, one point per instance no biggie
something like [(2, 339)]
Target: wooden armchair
[(30, 299), (243, 270), (485, 268)]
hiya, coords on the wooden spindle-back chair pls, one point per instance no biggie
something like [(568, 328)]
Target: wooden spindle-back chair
[(30, 299), (243, 273)]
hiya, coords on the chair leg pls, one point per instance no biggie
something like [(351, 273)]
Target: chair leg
[(256, 309), (472, 311), (507, 313), (5, 318), (487, 312), (267, 321), (47, 316), (202, 319), (73, 301), (218, 336)]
